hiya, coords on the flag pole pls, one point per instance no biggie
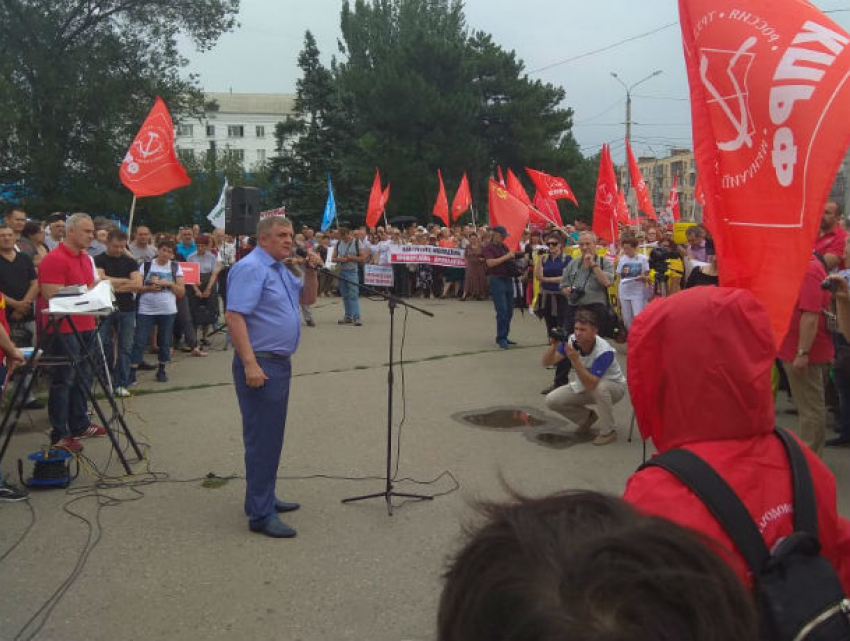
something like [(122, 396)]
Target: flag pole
[(472, 211), (132, 213)]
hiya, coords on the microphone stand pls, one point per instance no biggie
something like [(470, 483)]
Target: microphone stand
[(392, 302)]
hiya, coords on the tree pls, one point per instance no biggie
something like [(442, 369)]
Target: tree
[(425, 94), (77, 78), (311, 142)]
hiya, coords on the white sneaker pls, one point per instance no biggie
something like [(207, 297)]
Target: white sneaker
[(123, 392)]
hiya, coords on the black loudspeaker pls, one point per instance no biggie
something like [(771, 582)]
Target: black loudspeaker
[(241, 211)]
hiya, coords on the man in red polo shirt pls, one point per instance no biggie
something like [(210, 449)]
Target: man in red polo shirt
[(70, 264), (831, 236), (806, 353)]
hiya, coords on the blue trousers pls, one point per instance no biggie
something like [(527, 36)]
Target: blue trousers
[(67, 405), (123, 326), (144, 324), (263, 424), (349, 289), (502, 293)]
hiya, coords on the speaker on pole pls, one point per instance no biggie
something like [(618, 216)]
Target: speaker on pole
[(241, 211)]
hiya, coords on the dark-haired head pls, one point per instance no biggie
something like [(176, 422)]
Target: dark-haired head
[(587, 567)]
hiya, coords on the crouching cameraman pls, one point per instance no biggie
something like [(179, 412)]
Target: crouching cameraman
[(597, 378)]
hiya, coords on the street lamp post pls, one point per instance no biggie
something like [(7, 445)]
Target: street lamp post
[(628, 89)]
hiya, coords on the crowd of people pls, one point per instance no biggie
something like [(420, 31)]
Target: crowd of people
[(559, 564)]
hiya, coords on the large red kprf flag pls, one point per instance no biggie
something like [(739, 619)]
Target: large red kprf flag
[(150, 166), (605, 205), (553, 187), (769, 101), (516, 189), (644, 200), (509, 211), (376, 201), (441, 206), (463, 198)]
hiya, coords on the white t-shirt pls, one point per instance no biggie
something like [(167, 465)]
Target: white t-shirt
[(601, 362), (629, 269), (163, 302), (383, 251)]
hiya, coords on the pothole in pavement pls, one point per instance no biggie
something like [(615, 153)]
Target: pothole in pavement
[(533, 424)]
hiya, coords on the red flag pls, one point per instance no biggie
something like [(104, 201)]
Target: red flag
[(441, 207), (644, 200), (376, 202), (385, 198), (769, 104), (151, 167), (672, 209), (509, 211), (516, 189), (699, 194), (501, 176), (462, 199), (605, 205), (553, 187), (548, 207), (623, 209)]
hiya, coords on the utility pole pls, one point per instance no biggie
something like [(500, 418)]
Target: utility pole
[(628, 88)]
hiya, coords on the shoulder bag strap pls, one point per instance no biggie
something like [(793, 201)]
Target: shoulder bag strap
[(805, 500), (720, 500)]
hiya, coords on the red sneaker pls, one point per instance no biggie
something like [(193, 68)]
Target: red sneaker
[(93, 430), (70, 444)]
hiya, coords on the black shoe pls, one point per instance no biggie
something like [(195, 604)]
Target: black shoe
[(9, 493), (547, 390), (272, 526), (146, 367), (161, 376), (510, 342), (34, 404), (838, 441), (283, 506)]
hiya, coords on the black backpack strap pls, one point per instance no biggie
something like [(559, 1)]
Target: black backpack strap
[(805, 501), (720, 500)]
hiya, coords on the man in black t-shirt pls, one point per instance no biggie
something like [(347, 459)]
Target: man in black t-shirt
[(123, 271), (19, 284)]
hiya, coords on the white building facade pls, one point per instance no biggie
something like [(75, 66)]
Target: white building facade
[(241, 123)]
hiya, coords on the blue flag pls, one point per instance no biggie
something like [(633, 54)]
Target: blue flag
[(330, 207)]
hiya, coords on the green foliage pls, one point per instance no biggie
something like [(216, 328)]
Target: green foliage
[(418, 92), (76, 80)]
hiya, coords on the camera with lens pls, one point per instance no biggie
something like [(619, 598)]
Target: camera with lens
[(576, 294), (830, 285), (659, 259), (559, 334)]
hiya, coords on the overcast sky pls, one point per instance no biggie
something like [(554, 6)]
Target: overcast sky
[(260, 56)]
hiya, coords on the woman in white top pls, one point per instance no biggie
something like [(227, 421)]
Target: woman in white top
[(633, 269), (157, 307)]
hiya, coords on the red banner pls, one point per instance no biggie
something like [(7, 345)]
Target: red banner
[(553, 187), (644, 200), (769, 101), (516, 189), (623, 215), (376, 206), (441, 206), (672, 211), (150, 166), (509, 211), (548, 207), (463, 198), (191, 273), (605, 205)]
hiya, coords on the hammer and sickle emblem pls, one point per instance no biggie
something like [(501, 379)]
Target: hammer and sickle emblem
[(740, 124), (150, 146)]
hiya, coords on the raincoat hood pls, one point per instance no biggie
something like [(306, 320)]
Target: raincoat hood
[(699, 367)]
